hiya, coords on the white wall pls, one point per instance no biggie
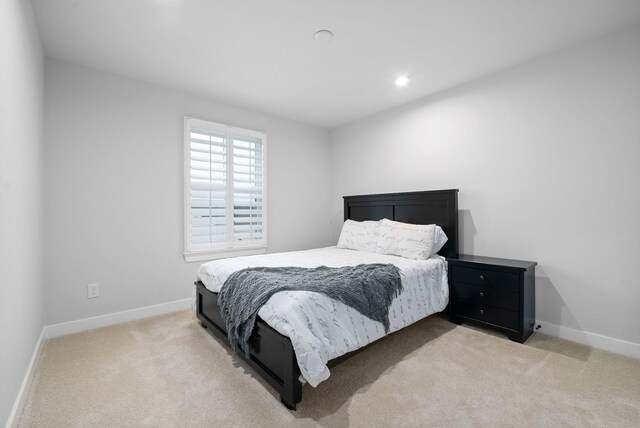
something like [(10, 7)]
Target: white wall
[(114, 189), (21, 146), (546, 157)]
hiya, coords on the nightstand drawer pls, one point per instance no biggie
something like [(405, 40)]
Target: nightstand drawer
[(486, 295), (486, 313), (484, 277)]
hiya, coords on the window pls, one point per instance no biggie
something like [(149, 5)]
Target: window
[(225, 190)]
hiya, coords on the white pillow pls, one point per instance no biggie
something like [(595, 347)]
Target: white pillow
[(412, 241), (440, 240), (359, 235)]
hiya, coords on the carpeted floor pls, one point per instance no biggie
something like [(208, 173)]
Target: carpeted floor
[(168, 371)]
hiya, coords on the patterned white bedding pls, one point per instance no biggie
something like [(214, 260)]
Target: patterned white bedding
[(321, 328)]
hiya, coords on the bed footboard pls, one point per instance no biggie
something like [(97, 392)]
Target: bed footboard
[(271, 354)]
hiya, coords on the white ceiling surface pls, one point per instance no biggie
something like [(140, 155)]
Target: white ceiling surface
[(261, 54)]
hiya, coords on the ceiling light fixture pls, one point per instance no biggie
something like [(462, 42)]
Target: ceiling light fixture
[(402, 81), (323, 36)]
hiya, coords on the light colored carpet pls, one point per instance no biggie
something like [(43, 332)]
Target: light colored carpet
[(168, 371)]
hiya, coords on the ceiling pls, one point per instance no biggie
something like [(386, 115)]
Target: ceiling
[(261, 54)]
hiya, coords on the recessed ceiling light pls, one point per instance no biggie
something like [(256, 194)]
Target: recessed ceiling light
[(402, 81), (323, 36)]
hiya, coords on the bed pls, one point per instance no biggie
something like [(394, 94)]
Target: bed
[(272, 354)]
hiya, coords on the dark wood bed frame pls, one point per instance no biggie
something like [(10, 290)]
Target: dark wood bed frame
[(271, 354)]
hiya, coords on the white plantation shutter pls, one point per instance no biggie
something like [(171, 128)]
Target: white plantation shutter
[(225, 189), (248, 181), (208, 176)]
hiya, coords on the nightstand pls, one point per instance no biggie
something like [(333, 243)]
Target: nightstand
[(497, 293)]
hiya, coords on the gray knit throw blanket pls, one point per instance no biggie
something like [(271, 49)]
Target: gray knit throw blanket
[(367, 288)]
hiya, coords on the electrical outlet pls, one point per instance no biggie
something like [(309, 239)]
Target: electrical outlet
[(93, 291)]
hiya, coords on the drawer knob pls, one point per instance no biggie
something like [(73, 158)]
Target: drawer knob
[(482, 277), (481, 311), (481, 294)]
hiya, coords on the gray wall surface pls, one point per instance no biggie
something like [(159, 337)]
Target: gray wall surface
[(114, 189), (21, 154), (546, 159)]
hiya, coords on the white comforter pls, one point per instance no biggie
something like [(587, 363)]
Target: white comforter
[(321, 328)]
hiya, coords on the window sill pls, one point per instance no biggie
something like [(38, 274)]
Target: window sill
[(207, 255)]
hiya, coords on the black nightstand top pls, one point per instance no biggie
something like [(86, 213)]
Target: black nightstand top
[(491, 261)]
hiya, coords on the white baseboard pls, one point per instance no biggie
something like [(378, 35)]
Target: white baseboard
[(85, 324), (594, 340), (18, 405)]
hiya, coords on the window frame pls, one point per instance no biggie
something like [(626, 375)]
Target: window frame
[(232, 248)]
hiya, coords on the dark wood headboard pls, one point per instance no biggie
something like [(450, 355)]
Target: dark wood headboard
[(431, 207)]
